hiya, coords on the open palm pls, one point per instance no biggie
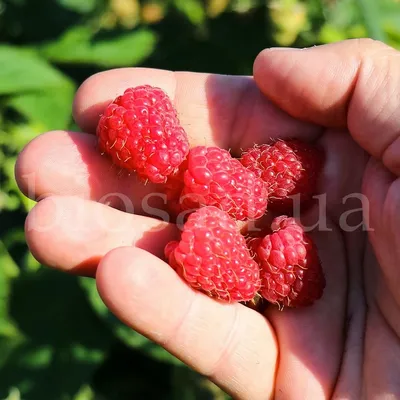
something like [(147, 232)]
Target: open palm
[(93, 220)]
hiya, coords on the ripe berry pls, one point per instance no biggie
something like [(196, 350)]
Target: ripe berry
[(291, 273), (214, 178), (288, 168), (173, 189), (212, 257), (140, 131)]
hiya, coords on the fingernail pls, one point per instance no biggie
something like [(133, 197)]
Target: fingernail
[(282, 48), (287, 48)]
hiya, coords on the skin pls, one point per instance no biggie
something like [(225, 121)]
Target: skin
[(345, 97)]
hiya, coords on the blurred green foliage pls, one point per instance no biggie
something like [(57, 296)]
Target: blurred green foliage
[(57, 339)]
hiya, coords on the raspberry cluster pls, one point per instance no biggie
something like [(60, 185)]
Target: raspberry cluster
[(140, 132)]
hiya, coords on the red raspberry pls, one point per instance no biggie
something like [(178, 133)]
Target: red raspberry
[(289, 168), (212, 257), (214, 178), (173, 189), (169, 253), (140, 131), (291, 273)]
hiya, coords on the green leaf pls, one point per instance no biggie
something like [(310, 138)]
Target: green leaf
[(10, 195), (17, 135), (50, 109), (331, 34), (290, 19), (190, 385), (14, 394), (12, 139), (10, 337), (79, 6), (85, 393), (8, 268), (193, 10), (124, 333), (23, 71), (64, 341), (371, 15), (244, 6), (80, 46), (8, 271), (390, 15), (342, 14)]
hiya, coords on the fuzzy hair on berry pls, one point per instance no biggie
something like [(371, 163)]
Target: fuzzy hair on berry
[(290, 169), (212, 177), (140, 132), (291, 271), (212, 257)]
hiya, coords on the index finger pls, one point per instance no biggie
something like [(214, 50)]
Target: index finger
[(222, 110), (227, 111)]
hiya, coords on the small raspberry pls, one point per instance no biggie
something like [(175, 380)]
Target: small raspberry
[(288, 168), (214, 178), (140, 131), (212, 257), (291, 273)]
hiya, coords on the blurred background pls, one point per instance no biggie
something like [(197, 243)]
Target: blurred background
[(57, 339)]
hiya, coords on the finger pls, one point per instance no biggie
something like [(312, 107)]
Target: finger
[(340, 191), (382, 358), (381, 333), (382, 219), (72, 234), (228, 111), (311, 339), (351, 83), (67, 163), (231, 344)]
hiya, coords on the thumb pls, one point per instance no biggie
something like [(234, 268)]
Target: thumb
[(353, 84)]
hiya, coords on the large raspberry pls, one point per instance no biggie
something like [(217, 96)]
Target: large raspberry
[(214, 178), (289, 168), (291, 273), (140, 131), (212, 256)]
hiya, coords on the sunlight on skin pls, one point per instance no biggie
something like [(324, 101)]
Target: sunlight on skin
[(239, 343), (346, 344)]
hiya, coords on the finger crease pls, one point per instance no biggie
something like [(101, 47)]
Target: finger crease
[(239, 131), (227, 350), (174, 332)]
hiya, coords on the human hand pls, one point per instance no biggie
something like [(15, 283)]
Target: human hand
[(345, 97)]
